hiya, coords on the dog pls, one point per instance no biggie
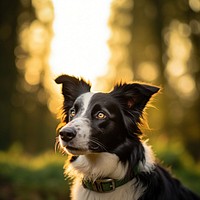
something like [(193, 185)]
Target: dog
[(107, 158)]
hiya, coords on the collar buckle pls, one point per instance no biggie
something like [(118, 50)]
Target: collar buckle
[(104, 185)]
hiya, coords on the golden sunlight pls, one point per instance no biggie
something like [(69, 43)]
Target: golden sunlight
[(79, 46)]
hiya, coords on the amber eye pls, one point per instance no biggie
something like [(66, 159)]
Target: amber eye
[(72, 113), (100, 115)]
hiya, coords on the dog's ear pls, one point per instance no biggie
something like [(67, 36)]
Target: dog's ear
[(72, 88), (133, 99), (134, 96)]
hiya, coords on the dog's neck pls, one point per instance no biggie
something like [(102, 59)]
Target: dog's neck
[(106, 165), (95, 166)]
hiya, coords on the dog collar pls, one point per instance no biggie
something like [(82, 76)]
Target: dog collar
[(106, 184)]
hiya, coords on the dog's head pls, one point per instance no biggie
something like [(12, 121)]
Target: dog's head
[(101, 122)]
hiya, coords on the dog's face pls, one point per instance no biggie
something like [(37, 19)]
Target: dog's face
[(94, 125), (101, 122)]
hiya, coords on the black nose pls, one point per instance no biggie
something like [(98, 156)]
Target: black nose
[(67, 134)]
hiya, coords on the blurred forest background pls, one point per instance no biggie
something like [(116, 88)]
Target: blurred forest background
[(151, 40)]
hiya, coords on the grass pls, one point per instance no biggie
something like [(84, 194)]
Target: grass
[(25, 177)]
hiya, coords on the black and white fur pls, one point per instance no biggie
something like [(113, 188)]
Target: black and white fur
[(101, 133)]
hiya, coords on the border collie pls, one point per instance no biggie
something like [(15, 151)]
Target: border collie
[(101, 133)]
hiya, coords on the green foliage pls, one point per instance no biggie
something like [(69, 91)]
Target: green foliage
[(26, 177), (180, 164)]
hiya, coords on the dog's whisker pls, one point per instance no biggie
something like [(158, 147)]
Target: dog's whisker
[(95, 141), (57, 145)]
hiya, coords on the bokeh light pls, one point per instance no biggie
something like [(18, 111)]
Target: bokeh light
[(179, 51), (148, 71)]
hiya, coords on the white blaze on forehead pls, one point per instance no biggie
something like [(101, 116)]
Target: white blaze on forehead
[(86, 100)]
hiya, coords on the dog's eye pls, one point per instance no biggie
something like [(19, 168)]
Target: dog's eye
[(72, 113), (100, 115)]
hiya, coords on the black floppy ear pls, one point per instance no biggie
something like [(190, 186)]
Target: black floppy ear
[(71, 88), (133, 99)]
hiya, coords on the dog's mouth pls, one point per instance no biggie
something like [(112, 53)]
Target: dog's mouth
[(76, 151), (73, 148)]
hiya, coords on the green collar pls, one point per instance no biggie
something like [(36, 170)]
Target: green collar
[(104, 185), (107, 184)]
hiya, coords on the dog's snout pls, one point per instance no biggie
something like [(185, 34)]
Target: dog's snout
[(67, 134)]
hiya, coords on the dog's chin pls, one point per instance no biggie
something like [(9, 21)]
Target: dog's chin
[(76, 151)]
